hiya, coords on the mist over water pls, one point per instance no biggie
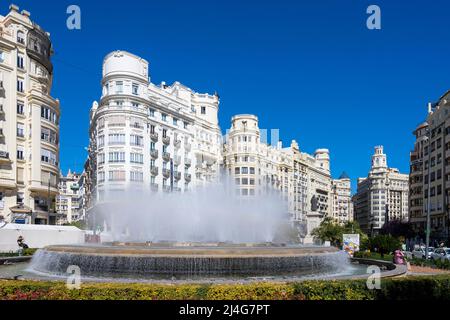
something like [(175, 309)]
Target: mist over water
[(213, 213)]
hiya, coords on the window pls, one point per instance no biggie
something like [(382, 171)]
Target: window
[(164, 117), (20, 85), (252, 170), (21, 37), (152, 146), (116, 139), (136, 158), (116, 175), (185, 124), (135, 89), (119, 86), (20, 153), (136, 176), (101, 141), (20, 108), (101, 176), (49, 115), (20, 130), (135, 105), (48, 156), (20, 61), (164, 133), (101, 158), (244, 170), (244, 181), (151, 112), (152, 129), (237, 170), (115, 157), (136, 140), (203, 110), (175, 121)]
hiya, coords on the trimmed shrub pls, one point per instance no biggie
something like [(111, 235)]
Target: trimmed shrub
[(424, 287)]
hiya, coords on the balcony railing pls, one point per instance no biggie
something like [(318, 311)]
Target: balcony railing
[(166, 188), (154, 171), (166, 156), (177, 160), (187, 177), (154, 154), (154, 136), (177, 143), (4, 155), (166, 140), (187, 162), (177, 175), (166, 173)]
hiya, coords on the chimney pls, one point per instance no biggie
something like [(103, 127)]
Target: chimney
[(13, 7)]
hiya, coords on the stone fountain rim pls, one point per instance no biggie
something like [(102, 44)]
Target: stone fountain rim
[(192, 252)]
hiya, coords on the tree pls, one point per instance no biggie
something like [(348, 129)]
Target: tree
[(80, 224), (398, 228), (329, 231), (383, 244)]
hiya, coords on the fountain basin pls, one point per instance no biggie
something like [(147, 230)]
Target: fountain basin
[(189, 260)]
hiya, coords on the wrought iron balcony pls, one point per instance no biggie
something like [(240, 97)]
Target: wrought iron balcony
[(154, 136), (177, 160), (166, 156), (187, 162), (166, 140), (187, 177), (4, 155), (177, 144), (154, 171), (154, 154), (177, 175), (166, 173)]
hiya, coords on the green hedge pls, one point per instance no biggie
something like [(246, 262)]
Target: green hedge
[(436, 287)]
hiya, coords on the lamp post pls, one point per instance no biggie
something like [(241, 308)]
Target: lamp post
[(427, 236)]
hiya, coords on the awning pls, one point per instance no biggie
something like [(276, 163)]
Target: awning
[(21, 209)]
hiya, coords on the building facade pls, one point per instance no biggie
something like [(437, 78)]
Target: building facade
[(304, 181), (342, 199), (69, 202), (430, 171), (149, 137), (382, 196), (29, 122)]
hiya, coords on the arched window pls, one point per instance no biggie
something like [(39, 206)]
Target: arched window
[(21, 37)]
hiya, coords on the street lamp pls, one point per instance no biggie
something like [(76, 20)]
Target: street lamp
[(427, 236)]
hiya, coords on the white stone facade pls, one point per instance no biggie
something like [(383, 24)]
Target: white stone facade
[(29, 122), (342, 199), (147, 136), (69, 202), (383, 194)]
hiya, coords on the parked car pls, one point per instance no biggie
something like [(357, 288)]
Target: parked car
[(441, 254), (419, 252)]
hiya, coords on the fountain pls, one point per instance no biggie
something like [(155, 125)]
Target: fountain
[(207, 234)]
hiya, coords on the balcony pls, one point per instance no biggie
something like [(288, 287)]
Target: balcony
[(154, 186), (154, 136), (177, 160), (187, 162), (154, 154), (166, 188), (2, 112), (187, 177), (166, 173), (1, 133), (166, 140), (166, 156), (176, 189), (177, 175), (154, 171), (177, 144), (4, 156)]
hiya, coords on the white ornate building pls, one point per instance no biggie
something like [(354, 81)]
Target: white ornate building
[(303, 180), (382, 196), (29, 122), (342, 199), (69, 202), (148, 136)]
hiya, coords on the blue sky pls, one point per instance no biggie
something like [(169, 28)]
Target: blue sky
[(310, 68)]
